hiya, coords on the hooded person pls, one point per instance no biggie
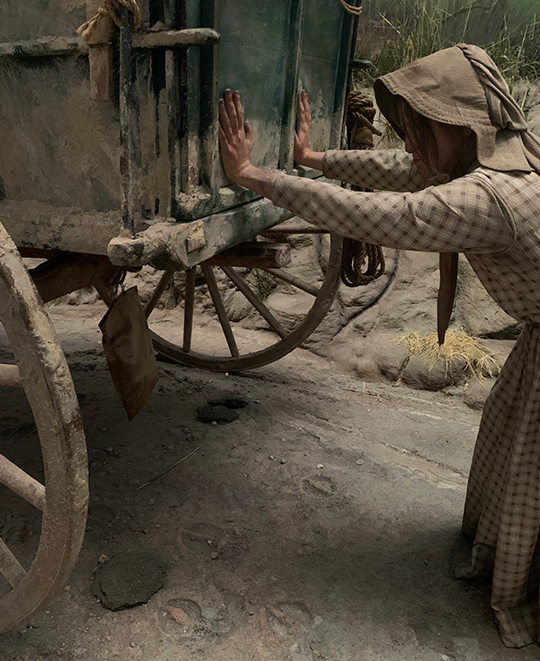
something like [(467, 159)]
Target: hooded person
[(468, 182)]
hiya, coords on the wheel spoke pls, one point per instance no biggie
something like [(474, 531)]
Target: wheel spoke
[(293, 280), (220, 309), (189, 305), (10, 567), (252, 298), (21, 483), (162, 285), (10, 377)]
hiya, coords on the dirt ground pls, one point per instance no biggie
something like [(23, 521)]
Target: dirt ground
[(322, 524)]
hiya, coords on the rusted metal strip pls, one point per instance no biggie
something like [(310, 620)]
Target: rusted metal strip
[(10, 377), (10, 567), (21, 483)]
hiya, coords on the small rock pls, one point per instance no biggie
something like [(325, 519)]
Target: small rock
[(104, 429), (214, 423), (359, 462), (320, 466), (214, 555), (110, 449), (210, 542), (251, 611), (103, 558), (282, 461), (180, 616), (299, 553), (271, 457), (128, 580), (229, 402)]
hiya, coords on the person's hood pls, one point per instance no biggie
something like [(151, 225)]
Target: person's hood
[(462, 86)]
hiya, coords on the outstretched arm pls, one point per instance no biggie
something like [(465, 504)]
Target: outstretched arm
[(236, 143)]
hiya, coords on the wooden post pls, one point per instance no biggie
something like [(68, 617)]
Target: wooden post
[(100, 55)]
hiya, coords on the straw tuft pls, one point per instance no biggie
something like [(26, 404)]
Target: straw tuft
[(479, 361)]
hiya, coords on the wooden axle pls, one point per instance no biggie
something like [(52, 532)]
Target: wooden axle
[(69, 272), (256, 254)]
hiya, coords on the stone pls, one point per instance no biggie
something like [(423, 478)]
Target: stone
[(418, 373), (128, 580), (477, 392), (229, 402), (180, 616)]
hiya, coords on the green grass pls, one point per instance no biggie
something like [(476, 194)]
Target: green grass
[(396, 32)]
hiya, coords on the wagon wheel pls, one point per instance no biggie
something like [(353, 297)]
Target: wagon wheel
[(44, 375), (235, 356)]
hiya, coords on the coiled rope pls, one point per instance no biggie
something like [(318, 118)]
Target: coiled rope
[(356, 11), (360, 130), (110, 9)]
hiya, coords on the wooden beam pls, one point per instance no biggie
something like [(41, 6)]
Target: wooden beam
[(176, 38), (100, 55), (69, 272), (257, 254)]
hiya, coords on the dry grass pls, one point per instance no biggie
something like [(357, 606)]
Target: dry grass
[(478, 359)]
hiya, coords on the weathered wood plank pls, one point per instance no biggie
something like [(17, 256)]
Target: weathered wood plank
[(38, 225)]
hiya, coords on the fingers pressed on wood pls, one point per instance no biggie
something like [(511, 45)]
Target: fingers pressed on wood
[(231, 110), (224, 120), (239, 109)]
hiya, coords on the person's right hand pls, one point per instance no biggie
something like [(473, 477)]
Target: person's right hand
[(303, 125)]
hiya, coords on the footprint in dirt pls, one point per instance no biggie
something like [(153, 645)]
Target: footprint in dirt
[(286, 618), (319, 485), (224, 546), (181, 616)]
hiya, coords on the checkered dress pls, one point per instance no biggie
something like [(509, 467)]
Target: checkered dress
[(494, 219)]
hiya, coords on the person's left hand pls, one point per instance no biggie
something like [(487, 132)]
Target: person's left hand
[(235, 136)]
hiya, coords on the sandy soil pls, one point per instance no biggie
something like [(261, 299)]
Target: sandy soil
[(323, 524)]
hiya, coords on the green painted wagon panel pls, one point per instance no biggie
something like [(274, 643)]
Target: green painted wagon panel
[(60, 148)]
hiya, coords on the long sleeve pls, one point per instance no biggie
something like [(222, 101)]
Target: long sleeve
[(464, 215), (388, 169)]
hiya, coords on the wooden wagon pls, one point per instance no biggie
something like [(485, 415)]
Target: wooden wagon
[(109, 161)]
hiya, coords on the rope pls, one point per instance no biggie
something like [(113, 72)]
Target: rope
[(109, 10), (360, 130), (356, 11)]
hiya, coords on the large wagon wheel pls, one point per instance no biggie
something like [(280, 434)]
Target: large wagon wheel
[(42, 371), (286, 340)]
